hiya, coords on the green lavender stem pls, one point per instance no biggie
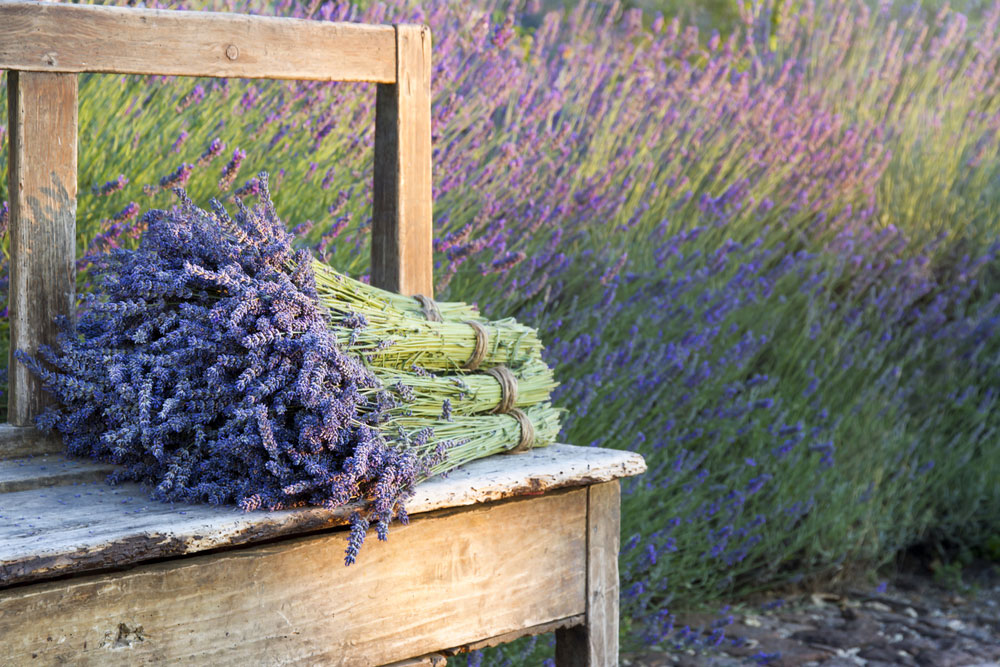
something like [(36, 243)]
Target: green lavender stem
[(474, 437), (398, 336), (467, 393), (345, 295)]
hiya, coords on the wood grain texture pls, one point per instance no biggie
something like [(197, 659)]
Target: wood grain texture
[(58, 37), (603, 542), (67, 529), (402, 205), (19, 441), (595, 643), (444, 580), (42, 115)]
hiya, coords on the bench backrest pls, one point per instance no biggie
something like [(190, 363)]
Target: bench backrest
[(44, 46)]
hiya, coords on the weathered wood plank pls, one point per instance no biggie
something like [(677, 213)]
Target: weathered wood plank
[(603, 541), (49, 470), (42, 114), (595, 643), (444, 580), (17, 441), (402, 205), (56, 37), (59, 530)]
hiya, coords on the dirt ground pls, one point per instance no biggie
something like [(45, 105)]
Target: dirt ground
[(909, 620)]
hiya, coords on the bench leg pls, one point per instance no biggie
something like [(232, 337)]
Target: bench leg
[(595, 643)]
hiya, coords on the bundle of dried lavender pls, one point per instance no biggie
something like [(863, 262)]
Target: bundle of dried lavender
[(207, 368)]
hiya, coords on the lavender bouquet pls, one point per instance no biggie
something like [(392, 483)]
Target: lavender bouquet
[(399, 332), (209, 368), (498, 390)]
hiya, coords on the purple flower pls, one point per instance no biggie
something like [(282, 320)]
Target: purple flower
[(177, 178), (231, 169), (111, 187), (214, 148), (179, 141), (193, 97), (249, 189)]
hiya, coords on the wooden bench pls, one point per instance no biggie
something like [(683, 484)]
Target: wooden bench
[(94, 574)]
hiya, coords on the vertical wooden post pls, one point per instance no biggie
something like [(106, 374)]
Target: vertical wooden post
[(595, 644), (402, 208), (42, 114)]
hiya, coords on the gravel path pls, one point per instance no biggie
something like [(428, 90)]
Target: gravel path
[(910, 621)]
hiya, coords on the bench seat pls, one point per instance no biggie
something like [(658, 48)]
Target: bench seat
[(503, 547), (71, 521)]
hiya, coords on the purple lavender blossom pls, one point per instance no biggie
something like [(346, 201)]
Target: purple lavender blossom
[(193, 97), (179, 141), (130, 211), (249, 99), (231, 169), (249, 189), (177, 177), (111, 187), (214, 148), (748, 193)]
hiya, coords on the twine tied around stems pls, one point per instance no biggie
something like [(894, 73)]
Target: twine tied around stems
[(429, 308), (482, 342), (527, 440), (508, 389)]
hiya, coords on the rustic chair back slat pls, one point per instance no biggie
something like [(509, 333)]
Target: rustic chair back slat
[(55, 37), (41, 173)]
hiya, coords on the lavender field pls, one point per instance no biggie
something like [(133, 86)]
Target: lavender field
[(766, 259)]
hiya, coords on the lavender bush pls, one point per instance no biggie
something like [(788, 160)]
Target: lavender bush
[(766, 260)]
